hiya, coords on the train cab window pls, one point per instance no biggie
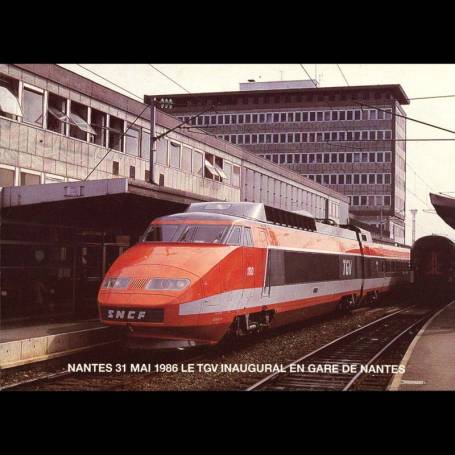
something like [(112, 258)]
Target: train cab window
[(161, 233), (247, 236), (204, 234), (186, 233), (235, 236)]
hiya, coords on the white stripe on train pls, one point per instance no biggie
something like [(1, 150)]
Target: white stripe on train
[(252, 297)]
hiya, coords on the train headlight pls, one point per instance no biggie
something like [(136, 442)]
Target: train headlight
[(167, 284), (116, 283)]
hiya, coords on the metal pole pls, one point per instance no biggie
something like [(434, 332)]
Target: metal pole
[(152, 137), (413, 212)]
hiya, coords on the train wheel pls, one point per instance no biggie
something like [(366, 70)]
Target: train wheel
[(347, 304)]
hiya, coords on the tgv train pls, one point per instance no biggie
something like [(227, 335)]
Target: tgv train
[(234, 268)]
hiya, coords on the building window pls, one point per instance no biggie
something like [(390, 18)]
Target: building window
[(161, 151), (30, 179), (341, 179), (387, 179), (198, 163), (9, 94), (57, 118), (132, 141), (364, 179), (380, 157), (348, 157), (145, 144), (363, 200), (6, 177), (371, 179), (319, 178), (174, 154), (356, 179), (33, 106), (326, 158), (312, 116), (115, 134), (386, 200), (326, 179), (387, 156), (379, 179), (333, 179), (227, 169), (132, 172), (115, 168), (186, 159), (78, 116), (348, 179), (373, 114), (98, 123), (236, 176)]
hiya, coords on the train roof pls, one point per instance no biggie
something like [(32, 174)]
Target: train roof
[(260, 212)]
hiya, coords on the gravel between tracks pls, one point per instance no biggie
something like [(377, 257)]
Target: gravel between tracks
[(278, 347)]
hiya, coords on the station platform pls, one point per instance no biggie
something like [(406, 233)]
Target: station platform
[(430, 359), (21, 345)]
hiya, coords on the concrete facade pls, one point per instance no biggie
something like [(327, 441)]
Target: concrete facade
[(346, 138), (37, 148)]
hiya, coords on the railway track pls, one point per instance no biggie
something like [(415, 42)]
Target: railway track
[(360, 360), (63, 380)]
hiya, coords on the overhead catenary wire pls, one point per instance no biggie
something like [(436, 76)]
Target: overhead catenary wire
[(394, 114), (110, 82), (307, 73), (168, 77), (344, 77)]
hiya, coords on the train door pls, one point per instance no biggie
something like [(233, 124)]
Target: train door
[(249, 269), (360, 269), (263, 279)]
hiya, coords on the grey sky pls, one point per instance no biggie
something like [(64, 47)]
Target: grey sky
[(433, 162)]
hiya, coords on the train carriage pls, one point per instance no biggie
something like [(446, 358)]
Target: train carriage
[(234, 268)]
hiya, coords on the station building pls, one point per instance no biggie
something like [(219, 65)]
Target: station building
[(76, 193), (346, 138)]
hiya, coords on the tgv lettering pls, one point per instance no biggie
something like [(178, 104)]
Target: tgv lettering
[(347, 267)]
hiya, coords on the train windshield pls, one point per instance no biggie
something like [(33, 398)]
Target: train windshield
[(186, 233)]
